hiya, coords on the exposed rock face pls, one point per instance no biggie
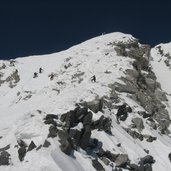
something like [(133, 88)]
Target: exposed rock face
[(71, 138), (142, 86)]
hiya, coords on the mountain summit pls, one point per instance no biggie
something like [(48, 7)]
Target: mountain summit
[(54, 117)]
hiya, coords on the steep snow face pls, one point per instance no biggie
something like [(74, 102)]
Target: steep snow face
[(72, 68), (161, 64), (23, 107)]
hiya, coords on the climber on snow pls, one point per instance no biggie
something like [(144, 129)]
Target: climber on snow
[(93, 78), (40, 70), (35, 75)]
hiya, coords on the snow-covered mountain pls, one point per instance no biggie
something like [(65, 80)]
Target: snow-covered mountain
[(61, 120)]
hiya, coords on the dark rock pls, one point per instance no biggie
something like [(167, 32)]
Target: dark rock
[(169, 156), (75, 136), (112, 157), (84, 142), (31, 146), (97, 165), (119, 145), (147, 160), (53, 116), (4, 158), (21, 152), (46, 144), (50, 121), (148, 167), (66, 147), (147, 151), (52, 131), (103, 123), (65, 141), (151, 139), (1, 137), (39, 147), (5, 148), (21, 143), (87, 119)]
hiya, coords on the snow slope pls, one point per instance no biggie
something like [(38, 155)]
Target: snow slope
[(20, 116)]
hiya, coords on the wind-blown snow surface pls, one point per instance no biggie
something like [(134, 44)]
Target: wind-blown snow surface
[(19, 106)]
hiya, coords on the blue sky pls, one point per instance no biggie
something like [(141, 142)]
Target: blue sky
[(35, 27)]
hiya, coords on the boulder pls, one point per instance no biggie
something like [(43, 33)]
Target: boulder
[(4, 158), (46, 144), (21, 153), (147, 160), (97, 165), (52, 131), (121, 160), (138, 123)]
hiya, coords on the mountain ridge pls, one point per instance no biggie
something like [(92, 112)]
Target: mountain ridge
[(120, 64)]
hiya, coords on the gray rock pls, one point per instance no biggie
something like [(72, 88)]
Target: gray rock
[(138, 123), (160, 95), (128, 88), (121, 160), (151, 84), (105, 161), (163, 125)]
